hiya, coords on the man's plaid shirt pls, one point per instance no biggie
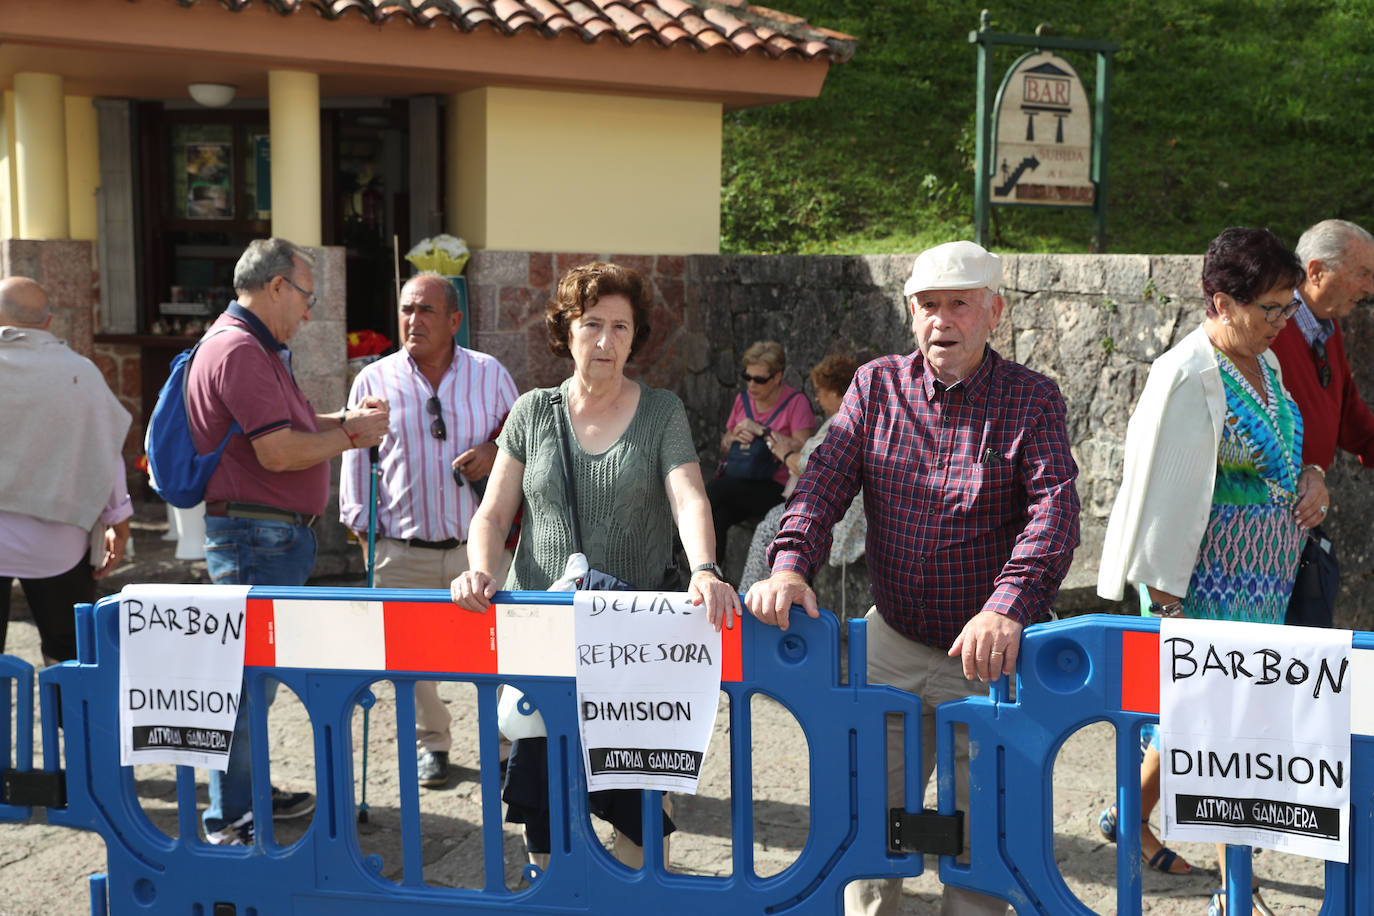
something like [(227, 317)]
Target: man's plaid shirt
[(969, 492)]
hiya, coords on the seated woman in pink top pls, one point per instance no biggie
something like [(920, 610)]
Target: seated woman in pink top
[(751, 477)]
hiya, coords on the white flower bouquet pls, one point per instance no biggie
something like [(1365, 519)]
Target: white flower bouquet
[(444, 254)]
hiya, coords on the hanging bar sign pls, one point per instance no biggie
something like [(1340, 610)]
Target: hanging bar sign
[(1043, 150)]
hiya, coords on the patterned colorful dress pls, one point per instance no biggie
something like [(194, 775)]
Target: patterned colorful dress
[(1250, 550)]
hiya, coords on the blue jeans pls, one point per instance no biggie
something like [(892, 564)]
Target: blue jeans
[(245, 551)]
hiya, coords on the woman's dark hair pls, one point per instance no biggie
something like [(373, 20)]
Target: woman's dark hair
[(834, 373), (1244, 263), (582, 287)]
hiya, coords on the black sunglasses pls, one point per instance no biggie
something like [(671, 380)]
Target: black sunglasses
[(757, 379), (437, 429), (1323, 367)]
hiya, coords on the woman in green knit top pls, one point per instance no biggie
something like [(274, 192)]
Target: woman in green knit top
[(635, 473), (635, 467)]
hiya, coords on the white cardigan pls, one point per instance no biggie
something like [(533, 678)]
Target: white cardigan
[(1165, 500)]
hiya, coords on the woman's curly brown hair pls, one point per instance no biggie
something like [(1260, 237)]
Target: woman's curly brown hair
[(582, 287), (834, 373)]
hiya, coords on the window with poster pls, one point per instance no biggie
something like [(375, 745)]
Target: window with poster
[(208, 192)]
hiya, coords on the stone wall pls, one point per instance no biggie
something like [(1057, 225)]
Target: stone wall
[(122, 366), (67, 272), (1093, 323)]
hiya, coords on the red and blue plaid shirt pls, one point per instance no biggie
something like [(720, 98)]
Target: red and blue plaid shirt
[(969, 492)]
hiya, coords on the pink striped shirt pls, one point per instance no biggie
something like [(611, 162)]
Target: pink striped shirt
[(416, 494)]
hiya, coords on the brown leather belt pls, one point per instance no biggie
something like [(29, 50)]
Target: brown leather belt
[(225, 509)]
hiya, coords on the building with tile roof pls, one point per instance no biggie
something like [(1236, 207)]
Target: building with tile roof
[(359, 126)]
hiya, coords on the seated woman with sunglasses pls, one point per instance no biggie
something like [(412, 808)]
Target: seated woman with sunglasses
[(1214, 500), (750, 479)]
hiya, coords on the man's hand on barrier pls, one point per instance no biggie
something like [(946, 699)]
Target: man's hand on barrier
[(771, 599), (989, 644), (473, 591)]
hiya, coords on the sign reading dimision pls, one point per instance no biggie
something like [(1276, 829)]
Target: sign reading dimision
[(1043, 148)]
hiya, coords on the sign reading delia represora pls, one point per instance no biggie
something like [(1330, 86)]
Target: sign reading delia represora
[(1255, 735), (648, 686)]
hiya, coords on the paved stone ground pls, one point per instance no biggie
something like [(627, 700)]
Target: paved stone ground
[(43, 869)]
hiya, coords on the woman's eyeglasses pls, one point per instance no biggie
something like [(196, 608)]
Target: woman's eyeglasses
[(757, 379), (1276, 313), (437, 429)]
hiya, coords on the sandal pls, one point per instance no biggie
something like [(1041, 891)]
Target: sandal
[(1106, 824), (1163, 861)]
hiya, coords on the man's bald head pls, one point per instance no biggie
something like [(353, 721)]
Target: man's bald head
[(23, 303)]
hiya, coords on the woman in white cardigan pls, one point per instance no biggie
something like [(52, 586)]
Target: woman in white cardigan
[(1213, 492)]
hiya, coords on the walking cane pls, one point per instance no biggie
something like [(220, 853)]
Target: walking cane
[(371, 568)]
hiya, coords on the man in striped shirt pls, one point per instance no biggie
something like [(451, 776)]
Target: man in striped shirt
[(447, 404), (968, 486)]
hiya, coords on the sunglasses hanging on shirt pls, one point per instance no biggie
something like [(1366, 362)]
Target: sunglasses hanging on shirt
[(437, 429)]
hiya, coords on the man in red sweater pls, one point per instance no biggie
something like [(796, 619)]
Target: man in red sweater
[(1339, 259)]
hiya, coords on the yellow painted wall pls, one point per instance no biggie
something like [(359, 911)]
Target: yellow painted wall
[(294, 119), (40, 131), (465, 197), (83, 167), (9, 181), (562, 171)]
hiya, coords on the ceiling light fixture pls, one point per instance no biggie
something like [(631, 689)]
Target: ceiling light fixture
[(212, 95)]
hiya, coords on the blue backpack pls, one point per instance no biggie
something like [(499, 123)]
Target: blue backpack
[(176, 470)]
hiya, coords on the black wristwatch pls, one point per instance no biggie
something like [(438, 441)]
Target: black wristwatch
[(711, 568)]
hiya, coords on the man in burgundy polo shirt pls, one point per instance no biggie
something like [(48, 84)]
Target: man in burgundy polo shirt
[(272, 480), (968, 486), (1339, 259)]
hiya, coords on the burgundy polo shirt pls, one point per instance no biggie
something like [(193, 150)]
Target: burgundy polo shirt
[(237, 377)]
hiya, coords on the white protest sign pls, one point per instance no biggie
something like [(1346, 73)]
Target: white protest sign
[(1255, 735), (648, 684), (180, 672)]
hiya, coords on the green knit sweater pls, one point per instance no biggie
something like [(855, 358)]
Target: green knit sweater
[(622, 500)]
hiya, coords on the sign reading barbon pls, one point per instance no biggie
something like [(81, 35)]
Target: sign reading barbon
[(180, 672), (648, 686), (1255, 735)]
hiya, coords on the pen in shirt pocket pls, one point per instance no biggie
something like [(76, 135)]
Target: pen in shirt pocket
[(991, 456)]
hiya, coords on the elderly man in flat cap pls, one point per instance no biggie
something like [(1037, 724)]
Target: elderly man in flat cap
[(968, 484)]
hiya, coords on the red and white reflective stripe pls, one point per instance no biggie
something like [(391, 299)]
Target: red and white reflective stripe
[(509, 639), (1140, 679)]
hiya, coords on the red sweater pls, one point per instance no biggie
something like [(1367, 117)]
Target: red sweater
[(1331, 416)]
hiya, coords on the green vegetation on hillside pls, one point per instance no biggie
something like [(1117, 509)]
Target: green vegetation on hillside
[(1223, 112)]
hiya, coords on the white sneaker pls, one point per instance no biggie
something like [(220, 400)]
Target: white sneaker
[(239, 833)]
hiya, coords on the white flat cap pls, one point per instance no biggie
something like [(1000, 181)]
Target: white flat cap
[(954, 265)]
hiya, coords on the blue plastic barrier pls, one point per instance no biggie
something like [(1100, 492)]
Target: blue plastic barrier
[(326, 872), (1070, 676)]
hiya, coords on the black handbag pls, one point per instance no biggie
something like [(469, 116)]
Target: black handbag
[(1313, 602), (756, 460)]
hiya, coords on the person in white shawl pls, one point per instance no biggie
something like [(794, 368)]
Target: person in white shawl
[(64, 501)]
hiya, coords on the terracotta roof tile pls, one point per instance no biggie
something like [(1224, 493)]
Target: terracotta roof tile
[(703, 24)]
